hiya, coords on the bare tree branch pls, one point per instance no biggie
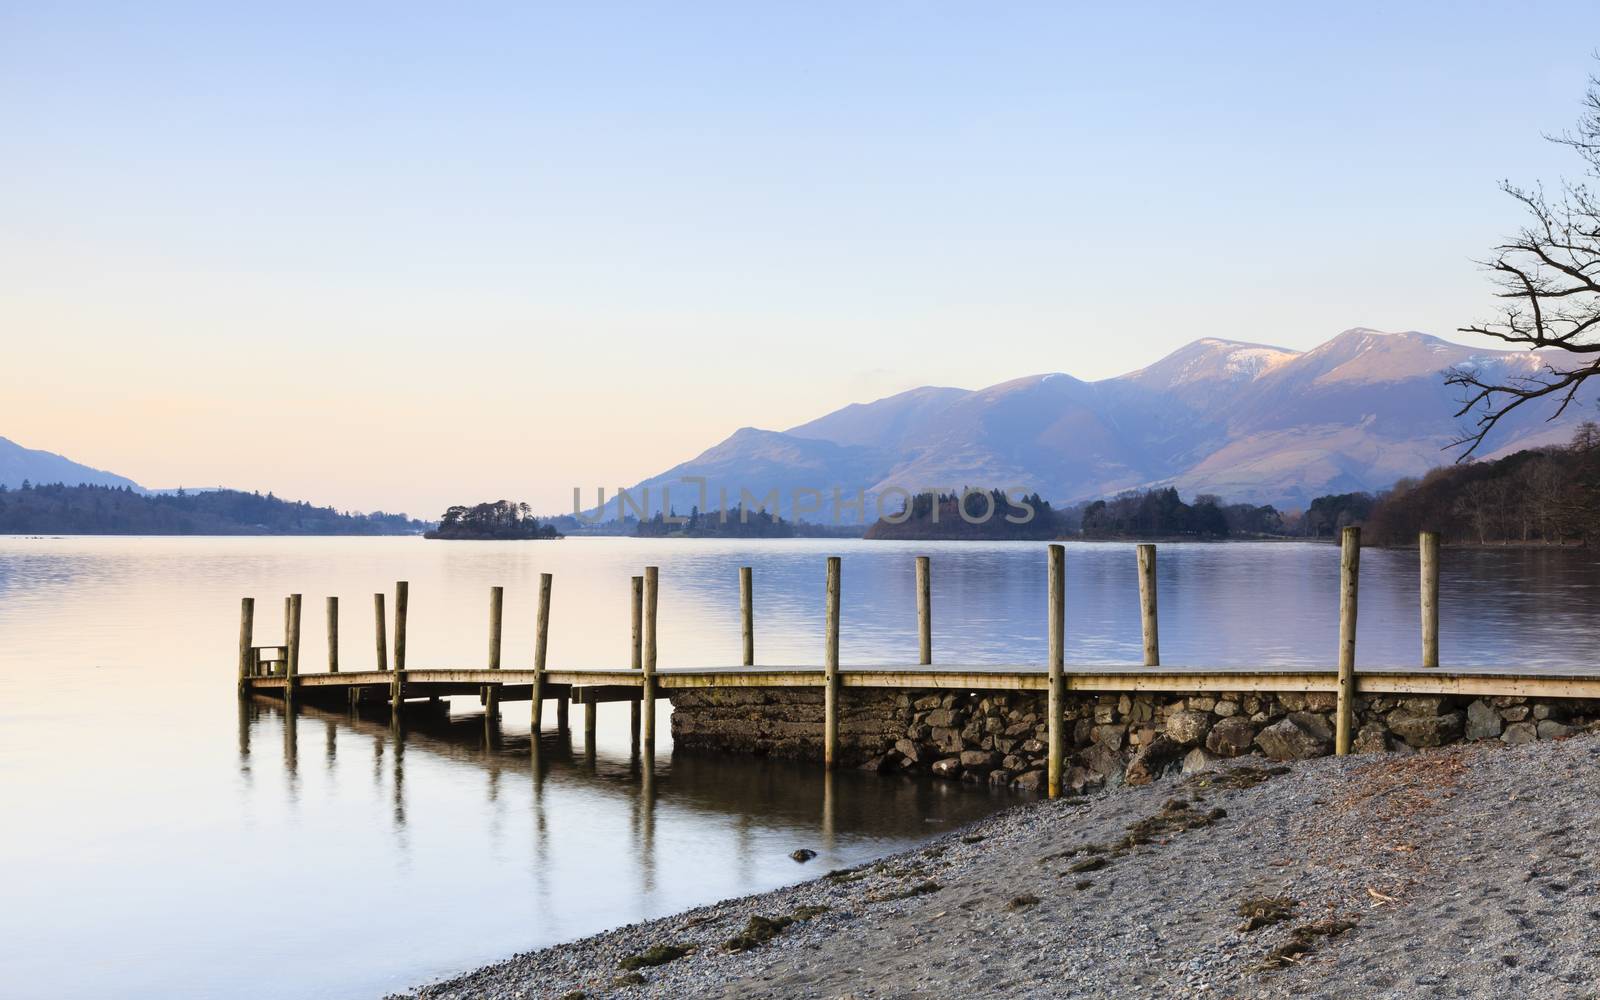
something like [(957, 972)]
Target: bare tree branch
[(1549, 274)]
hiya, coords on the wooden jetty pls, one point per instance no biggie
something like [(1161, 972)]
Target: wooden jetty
[(276, 668)]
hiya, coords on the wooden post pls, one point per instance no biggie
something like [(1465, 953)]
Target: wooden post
[(541, 643), (333, 635), (1428, 550), (1147, 605), (924, 610), (247, 639), (1349, 573), (589, 726), (491, 696), (292, 640), (747, 615), (397, 685), (647, 706), (1058, 642), (382, 630), (830, 668), (563, 720), (635, 713), (282, 666)]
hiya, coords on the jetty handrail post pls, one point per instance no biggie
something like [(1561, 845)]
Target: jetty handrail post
[(292, 640), (647, 701), (924, 611), (247, 639), (397, 684), (381, 621), (333, 635), (1147, 605), (747, 615), (1428, 557), (1058, 635), (637, 603), (491, 693), (541, 645), (1349, 574), (830, 668)]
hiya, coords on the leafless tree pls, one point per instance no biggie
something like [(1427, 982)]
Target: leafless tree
[(1549, 275)]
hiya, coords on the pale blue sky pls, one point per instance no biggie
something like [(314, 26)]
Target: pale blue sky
[(405, 255)]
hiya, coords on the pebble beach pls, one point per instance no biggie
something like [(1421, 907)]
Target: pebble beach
[(1466, 871)]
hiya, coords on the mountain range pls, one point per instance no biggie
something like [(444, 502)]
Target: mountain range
[(18, 464), (1250, 422)]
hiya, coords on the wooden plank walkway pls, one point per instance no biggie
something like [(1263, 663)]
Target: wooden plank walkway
[(276, 668)]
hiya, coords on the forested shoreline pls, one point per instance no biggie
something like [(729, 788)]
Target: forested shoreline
[(117, 510)]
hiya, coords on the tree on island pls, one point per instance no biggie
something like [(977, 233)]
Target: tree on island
[(501, 519), (736, 522), (971, 515), (1549, 275)]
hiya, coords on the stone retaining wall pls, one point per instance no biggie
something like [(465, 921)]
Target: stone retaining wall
[(999, 737)]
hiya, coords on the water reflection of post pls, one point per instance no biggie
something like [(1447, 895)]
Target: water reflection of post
[(397, 738), (541, 829), (330, 740), (246, 715), (647, 818), (291, 738), (590, 725)]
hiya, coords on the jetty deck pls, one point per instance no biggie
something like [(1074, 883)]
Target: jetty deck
[(277, 669)]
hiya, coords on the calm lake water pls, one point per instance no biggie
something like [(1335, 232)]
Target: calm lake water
[(162, 840)]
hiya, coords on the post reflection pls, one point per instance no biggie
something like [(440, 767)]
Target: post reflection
[(646, 836), (246, 719), (291, 746)]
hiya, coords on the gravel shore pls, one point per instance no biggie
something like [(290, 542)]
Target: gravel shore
[(1469, 871)]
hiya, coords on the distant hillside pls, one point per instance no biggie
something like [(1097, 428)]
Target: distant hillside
[(19, 465), (118, 510), (1250, 422)]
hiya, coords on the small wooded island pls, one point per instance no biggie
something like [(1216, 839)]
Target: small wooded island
[(497, 521)]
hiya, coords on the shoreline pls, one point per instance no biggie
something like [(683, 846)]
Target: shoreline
[(1468, 867)]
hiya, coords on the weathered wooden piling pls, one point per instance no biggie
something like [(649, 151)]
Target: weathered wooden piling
[(747, 615), (291, 639), (491, 693), (1056, 701), (924, 610), (382, 623), (397, 684), (247, 639), (647, 706), (541, 645), (590, 724), (1428, 557), (1349, 574), (635, 709), (333, 635), (1147, 605), (830, 668)]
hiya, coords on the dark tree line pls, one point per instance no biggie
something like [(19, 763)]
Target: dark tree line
[(500, 519), (118, 510), (737, 523), (1161, 513), (1545, 495), (990, 516), (1328, 515)]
